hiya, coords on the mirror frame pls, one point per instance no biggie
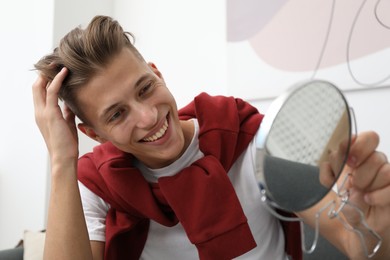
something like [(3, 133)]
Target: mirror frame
[(266, 126)]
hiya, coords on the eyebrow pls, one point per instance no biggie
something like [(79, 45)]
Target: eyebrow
[(108, 110), (141, 79)]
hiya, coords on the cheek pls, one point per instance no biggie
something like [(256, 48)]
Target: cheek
[(118, 135), (166, 95)]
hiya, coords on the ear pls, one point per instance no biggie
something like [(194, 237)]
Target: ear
[(88, 131), (155, 70)]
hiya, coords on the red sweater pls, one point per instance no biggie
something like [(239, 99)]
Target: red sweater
[(200, 196)]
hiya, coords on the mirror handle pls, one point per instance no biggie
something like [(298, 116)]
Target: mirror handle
[(365, 232)]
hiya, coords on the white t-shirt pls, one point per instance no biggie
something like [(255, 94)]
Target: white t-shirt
[(167, 243)]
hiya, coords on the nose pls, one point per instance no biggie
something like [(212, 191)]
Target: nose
[(145, 114)]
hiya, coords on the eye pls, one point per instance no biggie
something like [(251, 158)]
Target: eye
[(146, 88), (116, 116)]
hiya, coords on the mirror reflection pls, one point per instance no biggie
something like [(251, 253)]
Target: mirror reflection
[(305, 137)]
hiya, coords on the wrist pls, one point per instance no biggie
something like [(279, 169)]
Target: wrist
[(61, 168)]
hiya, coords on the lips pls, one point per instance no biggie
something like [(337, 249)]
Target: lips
[(157, 135)]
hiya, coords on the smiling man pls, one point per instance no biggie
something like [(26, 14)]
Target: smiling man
[(164, 183), (140, 116)]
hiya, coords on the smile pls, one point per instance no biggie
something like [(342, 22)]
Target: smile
[(160, 133)]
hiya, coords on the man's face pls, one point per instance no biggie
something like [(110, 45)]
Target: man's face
[(129, 105)]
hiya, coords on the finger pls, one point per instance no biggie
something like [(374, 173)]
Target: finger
[(379, 197), (69, 115), (365, 174), (327, 176), (382, 178), (364, 145), (39, 91), (55, 85)]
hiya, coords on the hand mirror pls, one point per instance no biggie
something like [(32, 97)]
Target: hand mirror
[(299, 133), (299, 129)]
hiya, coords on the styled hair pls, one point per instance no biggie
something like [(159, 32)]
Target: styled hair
[(85, 53)]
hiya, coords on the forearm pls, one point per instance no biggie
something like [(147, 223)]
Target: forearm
[(330, 228), (67, 236)]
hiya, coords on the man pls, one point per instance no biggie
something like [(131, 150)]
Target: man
[(165, 184)]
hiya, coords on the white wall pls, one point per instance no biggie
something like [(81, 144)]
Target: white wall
[(26, 34), (29, 30), (69, 14), (185, 39), (371, 108)]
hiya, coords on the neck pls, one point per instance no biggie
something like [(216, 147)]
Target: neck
[(188, 132)]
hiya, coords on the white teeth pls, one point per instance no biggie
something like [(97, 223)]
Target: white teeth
[(158, 134)]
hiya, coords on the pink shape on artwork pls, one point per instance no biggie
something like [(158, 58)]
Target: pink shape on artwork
[(294, 35)]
